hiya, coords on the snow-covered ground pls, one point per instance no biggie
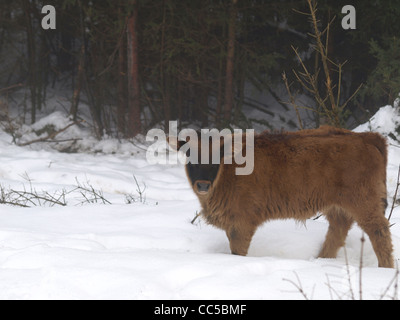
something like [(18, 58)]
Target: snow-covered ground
[(149, 249)]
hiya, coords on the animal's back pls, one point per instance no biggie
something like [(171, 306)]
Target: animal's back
[(298, 175)]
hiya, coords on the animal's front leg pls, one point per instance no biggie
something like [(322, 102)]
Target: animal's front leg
[(240, 238)]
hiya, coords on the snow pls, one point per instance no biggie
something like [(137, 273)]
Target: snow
[(149, 249)]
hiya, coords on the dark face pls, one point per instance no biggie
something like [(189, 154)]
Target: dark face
[(202, 176), (201, 173)]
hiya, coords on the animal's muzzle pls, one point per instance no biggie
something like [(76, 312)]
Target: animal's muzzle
[(202, 186)]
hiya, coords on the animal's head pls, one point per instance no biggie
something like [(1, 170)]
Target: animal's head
[(208, 152), (204, 153)]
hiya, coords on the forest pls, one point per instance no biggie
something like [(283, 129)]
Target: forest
[(137, 64)]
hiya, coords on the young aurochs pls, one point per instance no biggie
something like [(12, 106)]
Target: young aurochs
[(337, 172)]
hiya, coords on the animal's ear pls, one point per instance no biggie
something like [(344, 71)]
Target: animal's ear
[(174, 143)]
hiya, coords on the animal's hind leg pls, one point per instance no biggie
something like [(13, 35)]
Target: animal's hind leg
[(339, 225), (377, 228)]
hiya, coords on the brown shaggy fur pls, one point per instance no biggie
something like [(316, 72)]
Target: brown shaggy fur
[(334, 171)]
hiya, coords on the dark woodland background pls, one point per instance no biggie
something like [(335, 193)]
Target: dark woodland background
[(141, 63)]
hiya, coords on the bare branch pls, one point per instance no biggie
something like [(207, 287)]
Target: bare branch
[(49, 136), (395, 193)]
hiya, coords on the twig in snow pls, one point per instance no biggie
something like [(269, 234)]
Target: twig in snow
[(395, 283), (395, 193), (361, 266), (140, 190), (297, 285), (195, 217), (89, 193)]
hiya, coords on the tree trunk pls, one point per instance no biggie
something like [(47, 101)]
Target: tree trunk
[(230, 63), (164, 88), (78, 87), (134, 124), (122, 88), (220, 89), (31, 58)]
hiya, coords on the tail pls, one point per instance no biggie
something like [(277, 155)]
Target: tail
[(378, 141)]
